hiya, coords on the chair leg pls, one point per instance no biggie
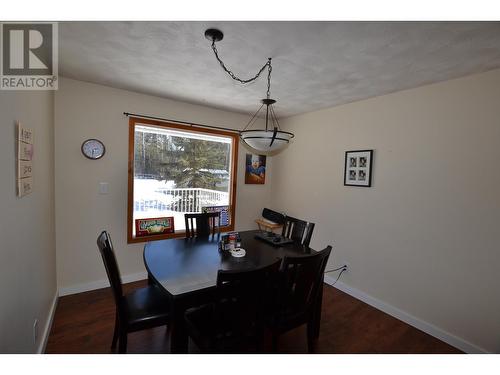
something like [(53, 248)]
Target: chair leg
[(168, 337), (116, 332), (122, 347), (311, 337), (259, 343), (275, 343)]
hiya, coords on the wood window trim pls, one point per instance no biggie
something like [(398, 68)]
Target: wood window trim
[(163, 124)]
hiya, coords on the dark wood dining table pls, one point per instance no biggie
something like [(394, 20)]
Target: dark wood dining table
[(186, 269)]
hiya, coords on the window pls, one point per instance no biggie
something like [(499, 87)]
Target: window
[(176, 169)]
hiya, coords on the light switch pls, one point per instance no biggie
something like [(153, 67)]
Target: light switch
[(103, 188)]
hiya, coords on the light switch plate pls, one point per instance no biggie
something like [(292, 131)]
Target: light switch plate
[(103, 188)]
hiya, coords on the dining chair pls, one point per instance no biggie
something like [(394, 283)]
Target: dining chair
[(236, 321), (206, 223), (298, 230), (299, 294), (141, 309)]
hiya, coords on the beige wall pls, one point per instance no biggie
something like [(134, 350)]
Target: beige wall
[(425, 237), (27, 253), (84, 111)]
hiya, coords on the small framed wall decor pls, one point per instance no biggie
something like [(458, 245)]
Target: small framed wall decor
[(255, 169), (24, 160), (153, 226), (358, 168), (224, 213)]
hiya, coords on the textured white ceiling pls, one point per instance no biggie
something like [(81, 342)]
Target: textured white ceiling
[(315, 64)]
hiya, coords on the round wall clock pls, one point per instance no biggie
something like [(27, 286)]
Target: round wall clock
[(93, 149)]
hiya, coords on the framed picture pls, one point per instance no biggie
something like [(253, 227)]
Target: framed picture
[(224, 213), (358, 168), (255, 169), (154, 226)]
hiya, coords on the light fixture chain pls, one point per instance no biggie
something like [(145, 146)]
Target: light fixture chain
[(269, 70), (233, 76), (261, 140)]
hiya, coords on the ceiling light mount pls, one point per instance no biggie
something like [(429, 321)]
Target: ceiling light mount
[(268, 101), (214, 35), (272, 138)]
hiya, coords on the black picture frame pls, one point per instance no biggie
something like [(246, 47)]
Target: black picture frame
[(358, 167)]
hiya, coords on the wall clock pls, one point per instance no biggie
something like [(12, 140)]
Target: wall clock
[(93, 149)]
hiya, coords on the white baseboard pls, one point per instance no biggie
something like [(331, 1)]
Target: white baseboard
[(428, 328), (99, 284), (48, 326)]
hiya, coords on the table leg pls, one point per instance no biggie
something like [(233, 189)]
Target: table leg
[(178, 333), (179, 337)]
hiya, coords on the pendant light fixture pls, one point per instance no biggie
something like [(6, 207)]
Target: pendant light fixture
[(271, 138)]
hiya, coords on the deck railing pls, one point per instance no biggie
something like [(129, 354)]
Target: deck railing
[(182, 200)]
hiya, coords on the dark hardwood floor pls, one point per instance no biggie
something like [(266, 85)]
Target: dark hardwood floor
[(84, 323)]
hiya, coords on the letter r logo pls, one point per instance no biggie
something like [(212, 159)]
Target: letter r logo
[(27, 49)]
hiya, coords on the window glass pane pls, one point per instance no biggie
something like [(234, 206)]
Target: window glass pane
[(178, 172)]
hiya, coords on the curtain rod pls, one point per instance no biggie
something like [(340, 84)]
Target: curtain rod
[(180, 122)]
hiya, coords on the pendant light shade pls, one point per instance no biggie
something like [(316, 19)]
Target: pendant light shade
[(269, 139), (266, 140)]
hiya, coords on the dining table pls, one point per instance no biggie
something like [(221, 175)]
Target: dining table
[(186, 270)]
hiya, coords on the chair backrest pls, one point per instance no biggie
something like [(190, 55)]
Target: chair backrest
[(273, 216), (248, 295), (108, 256), (298, 230), (300, 282), (206, 223)]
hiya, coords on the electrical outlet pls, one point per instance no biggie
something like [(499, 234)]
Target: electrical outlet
[(35, 331), (347, 266)]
